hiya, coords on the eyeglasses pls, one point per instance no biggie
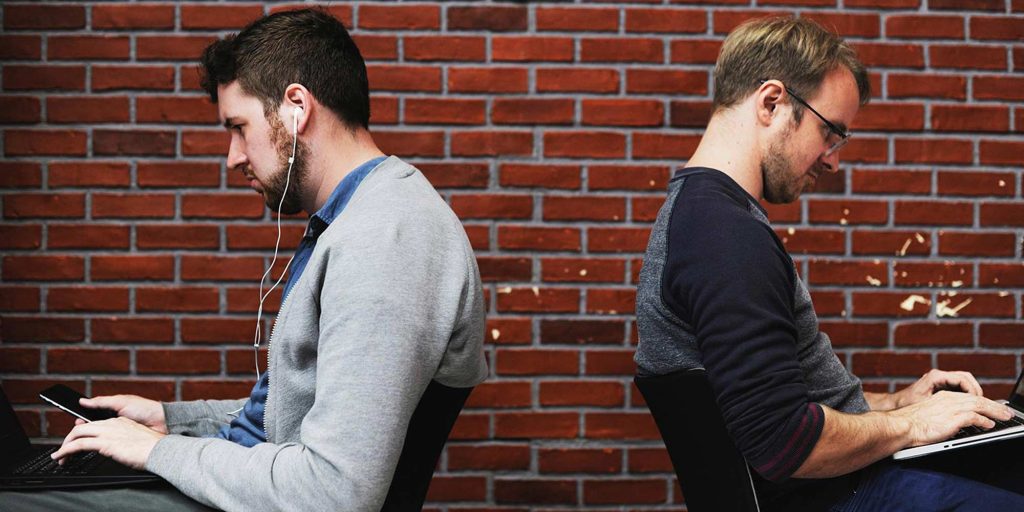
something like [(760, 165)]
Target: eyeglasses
[(844, 137)]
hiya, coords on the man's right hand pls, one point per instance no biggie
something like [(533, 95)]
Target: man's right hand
[(940, 416), (142, 410)]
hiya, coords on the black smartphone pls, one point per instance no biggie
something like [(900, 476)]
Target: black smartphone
[(66, 399)]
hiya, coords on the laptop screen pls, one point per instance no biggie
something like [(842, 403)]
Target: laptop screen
[(1017, 395), (12, 436)]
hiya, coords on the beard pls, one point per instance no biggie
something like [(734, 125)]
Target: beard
[(781, 184), (274, 188)]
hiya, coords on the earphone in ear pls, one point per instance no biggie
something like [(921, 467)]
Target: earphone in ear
[(296, 113)]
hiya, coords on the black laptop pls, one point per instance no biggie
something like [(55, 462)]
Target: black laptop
[(25, 466)]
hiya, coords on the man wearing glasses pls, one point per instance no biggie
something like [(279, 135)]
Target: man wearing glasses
[(718, 291)]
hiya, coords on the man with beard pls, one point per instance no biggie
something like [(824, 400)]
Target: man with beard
[(383, 298), (718, 291)]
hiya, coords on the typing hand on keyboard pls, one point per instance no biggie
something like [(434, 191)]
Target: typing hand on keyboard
[(121, 439), (935, 381)]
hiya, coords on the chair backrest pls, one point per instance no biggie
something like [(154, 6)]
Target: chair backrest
[(712, 473), (424, 439)]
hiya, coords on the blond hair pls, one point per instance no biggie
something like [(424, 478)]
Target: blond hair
[(797, 51)]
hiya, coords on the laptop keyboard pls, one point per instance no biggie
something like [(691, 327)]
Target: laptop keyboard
[(76, 465), (1000, 425)]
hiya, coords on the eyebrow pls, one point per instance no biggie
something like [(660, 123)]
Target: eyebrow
[(230, 121), (842, 126)]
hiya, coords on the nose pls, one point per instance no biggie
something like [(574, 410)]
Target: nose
[(236, 153), (830, 162)]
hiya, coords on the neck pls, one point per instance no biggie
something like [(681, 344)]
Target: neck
[(331, 159), (729, 145)]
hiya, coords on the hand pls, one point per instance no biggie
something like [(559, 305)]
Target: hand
[(940, 416), (121, 439), (143, 410), (933, 382)]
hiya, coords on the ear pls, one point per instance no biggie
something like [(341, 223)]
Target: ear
[(768, 100), (296, 96)]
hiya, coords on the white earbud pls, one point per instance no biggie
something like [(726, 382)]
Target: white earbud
[(296, 114)]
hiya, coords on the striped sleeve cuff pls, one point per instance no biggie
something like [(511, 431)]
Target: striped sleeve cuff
[(794, 446)]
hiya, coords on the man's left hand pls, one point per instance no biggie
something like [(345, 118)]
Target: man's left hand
[(121, 439), (935, 381)]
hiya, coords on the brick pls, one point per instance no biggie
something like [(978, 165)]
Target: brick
[(214, 390), (19, 298), (888, 55), (177, 299), (581, 332), (967, 57), (532, 49), (407, 144), (856, 334), (131, 267), (142, 143), (927, 86), (924, 27), (404, 17), (495, 269), (78, 109), (19, 110), (934, 334), (967, 5), (1001, 334), (88, 236), (132, 330), (1001, 28), (536, 425), (975, 305), (18, 47), (661, 146), (43, 268), (726, 21), (963, 118), (246, 300), (492, 143), (238, 237), (18, 206), (891, 364), (537, 491), (898, 243), (383, 110), (605, 492), (221, 268), (851, 273), (452, 488), (489, 18), (593, 80), (40, 77), (884, 304), (87, 299), (531, 111), (934, 213), (1001, 152), (20, 174), (579, 460), (536, 362), (492, 206), (623, 112), (79, 360), (939, 274), (509, 331), (618, 239), (614, 425), (865, 149), (21, 237), (974, 183), (581, 393), (487, 80), (177, 361), (136, 16), (621, 177), (46, 329), (847, 24), (661, 81), (611, 302), (695, 51), (43, 17), (907, 182), (674, 21), (998, 214), (997, 87), (584, 144), (621, 50), (48, 142), (88, 47), (847, 211), (178, 174), (813, 241), (582, 270), (981, 365), (1001, 275), (177, 110), (132, 206), (219, 330), (113, 78), (378, 47), (489, 457), (550, 300), (936, 151), (609, 362), (649, 460), (456, 175), (19, 360), (186, 48), (444, 111), (890, 117), (222, 206), (444, 48), (212, 17), (976, 244), (587, 19), (342, 12), (601, 208), (181, 236), (538, 238)]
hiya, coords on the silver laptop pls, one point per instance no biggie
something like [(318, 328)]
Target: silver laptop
[(973, 436)]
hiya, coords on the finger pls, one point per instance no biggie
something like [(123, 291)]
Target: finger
[(971, 383), (992, 409), (89, 444), (80, 421), (101, 402)]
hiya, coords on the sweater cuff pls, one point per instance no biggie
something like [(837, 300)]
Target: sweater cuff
[(794, 447)]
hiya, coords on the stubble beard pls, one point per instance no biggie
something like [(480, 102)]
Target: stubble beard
[(780, 184), (274, 187)]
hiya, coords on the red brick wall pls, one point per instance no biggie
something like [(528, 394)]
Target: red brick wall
[(130, 256)]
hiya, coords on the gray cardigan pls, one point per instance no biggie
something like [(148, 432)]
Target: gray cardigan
[(390, 300)]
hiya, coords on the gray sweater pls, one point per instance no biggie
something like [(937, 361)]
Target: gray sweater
[(390, 300)]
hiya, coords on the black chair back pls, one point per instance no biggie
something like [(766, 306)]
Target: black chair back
[(712, 473), (424, 439)]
